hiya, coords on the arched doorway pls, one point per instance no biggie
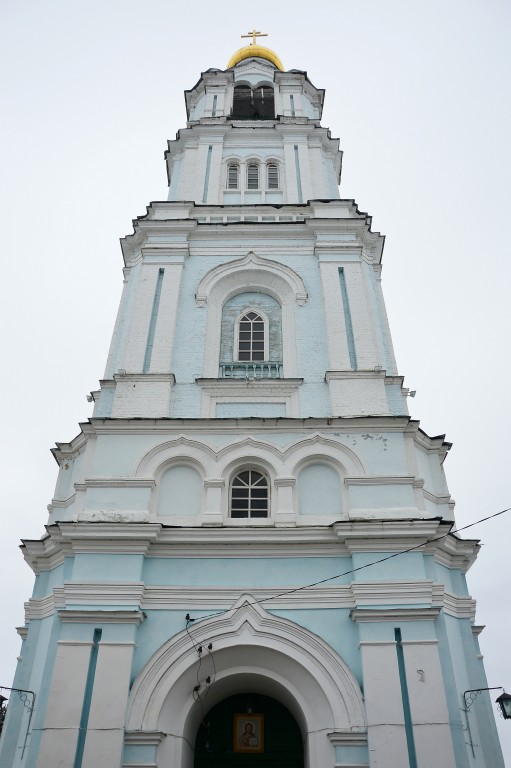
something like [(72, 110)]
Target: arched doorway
[(257, 652), (248, 730)]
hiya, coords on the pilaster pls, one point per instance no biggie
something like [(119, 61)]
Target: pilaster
[(65, 701), (105, 731)]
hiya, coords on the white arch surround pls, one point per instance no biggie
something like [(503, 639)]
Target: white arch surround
[(256, 651), (283, 460), (255, 274)]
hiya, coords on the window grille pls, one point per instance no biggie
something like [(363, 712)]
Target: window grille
[(251, 337), (233, 173), (249, 495), (272, 171), (253, 176)]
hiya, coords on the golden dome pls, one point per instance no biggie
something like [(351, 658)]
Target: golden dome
[(248, 51)]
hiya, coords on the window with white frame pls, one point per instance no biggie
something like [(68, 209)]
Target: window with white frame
[(233, 176), (252, 333), (253, 176), (272, 176), (250, 495)]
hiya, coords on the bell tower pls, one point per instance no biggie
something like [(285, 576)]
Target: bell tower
[(251, 528)]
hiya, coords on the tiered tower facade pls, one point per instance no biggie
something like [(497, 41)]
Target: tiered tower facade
[(248, 554)]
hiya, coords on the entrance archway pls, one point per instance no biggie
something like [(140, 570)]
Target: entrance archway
[(253, 651), (248, 730)]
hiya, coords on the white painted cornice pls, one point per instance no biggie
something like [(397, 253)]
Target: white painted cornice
[(352, 738), (340, 539), (335, 426), (371, 615), (356, 595), (116, 482), (106, 537), (282, 385), (145, 738), (97, 617), (40, 608)]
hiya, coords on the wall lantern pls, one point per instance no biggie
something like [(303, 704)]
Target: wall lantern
[(504, 702)]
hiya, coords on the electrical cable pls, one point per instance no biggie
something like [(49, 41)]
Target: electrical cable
[(352, 570)]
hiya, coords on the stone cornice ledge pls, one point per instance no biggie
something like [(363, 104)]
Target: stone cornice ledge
[(371, 615), (148, 738), (249, 383), (133, 538), (116, 482), (105, 617), (352, 738), (127, 376)]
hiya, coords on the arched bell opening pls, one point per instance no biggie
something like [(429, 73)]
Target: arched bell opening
[(253, 103), (249, 730)]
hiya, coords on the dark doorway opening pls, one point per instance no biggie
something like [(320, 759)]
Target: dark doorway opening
[(276, 740)]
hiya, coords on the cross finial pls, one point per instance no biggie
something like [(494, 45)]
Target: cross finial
[(254, 35)]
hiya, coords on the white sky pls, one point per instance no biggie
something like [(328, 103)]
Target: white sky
[(418, 93)]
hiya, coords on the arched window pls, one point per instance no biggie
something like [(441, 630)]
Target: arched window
[(249, 495), (251, 337), (233, 175), (272, 176), (253, 176)]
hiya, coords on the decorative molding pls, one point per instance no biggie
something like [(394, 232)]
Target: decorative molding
[(40, 608), (370, 615), (384, 480), (285, 482), (352, 738), (112, 516), (214, 482), (332, 446), (392, 592), (258, 391), (115, 482), (460, 607), (250, 262), (146, 738), (101, 617), (128, 376), (353, 596), (351, 374)]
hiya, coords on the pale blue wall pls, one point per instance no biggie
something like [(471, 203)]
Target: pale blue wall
[(255, 572), (319, 490), (179, 492), (245, 410)]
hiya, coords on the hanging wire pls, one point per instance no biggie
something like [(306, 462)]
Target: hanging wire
[(351, 570)]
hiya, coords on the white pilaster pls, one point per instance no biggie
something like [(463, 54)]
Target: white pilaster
[(364, 325), (65, 701), (213, 512), (338, 353), (430, 717), (384, 706), (132, 359), (163, 343), (105, 731)]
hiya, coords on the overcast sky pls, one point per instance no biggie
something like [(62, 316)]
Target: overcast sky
[(418, 93)]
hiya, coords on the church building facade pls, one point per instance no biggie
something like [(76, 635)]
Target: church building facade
[(248, 558)]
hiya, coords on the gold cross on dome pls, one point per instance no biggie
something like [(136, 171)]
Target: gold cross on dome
[(254, 35)]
